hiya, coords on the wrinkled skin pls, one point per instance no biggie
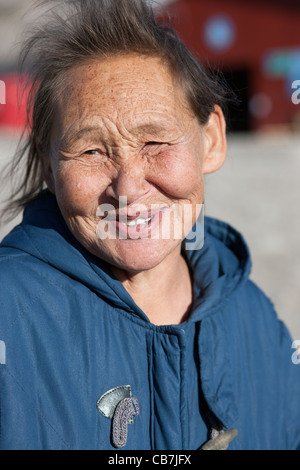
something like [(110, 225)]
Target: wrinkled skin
[(124, 128)]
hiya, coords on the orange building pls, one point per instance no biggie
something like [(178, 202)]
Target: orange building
[(256, 44)]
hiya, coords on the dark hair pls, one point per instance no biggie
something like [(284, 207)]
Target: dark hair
[(80, 30)]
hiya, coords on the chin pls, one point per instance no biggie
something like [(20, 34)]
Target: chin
[(139, 255)]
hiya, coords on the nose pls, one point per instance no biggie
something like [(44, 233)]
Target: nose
[(129, 181)]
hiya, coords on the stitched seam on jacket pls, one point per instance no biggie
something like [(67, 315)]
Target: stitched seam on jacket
[(13, 256), (32, 244), (38, 411), (150, 348)]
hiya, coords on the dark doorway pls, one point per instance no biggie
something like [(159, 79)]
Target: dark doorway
[(239, 119)]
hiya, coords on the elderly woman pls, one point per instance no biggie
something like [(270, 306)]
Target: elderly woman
[(117, 329)]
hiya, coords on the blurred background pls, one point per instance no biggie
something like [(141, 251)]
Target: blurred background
[(256, 46)]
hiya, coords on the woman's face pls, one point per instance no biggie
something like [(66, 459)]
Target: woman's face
[(127, 160)]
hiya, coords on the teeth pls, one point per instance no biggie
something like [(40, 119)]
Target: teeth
[(131, 223)]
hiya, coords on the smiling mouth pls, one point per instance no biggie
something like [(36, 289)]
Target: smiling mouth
[(136, 222), (130, 224), (140, 225)]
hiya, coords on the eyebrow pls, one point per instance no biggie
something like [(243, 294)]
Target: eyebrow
[(85, 130), (151, 128), (72, 136)]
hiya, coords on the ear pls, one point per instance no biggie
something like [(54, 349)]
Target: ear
[(215, 141), (46, 169)]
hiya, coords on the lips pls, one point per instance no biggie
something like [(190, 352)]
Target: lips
[(140, 225), (136, 213)]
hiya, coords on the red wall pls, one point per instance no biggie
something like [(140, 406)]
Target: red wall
[(13, 112), (259, 28)]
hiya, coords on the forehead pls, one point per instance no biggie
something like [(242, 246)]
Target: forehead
[(129, 90)]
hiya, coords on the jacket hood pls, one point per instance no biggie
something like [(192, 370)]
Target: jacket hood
[(218, 268)]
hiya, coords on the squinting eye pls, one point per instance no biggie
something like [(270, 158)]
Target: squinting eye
[(154, 148), (96, 155), (92, 152), (153, 143)]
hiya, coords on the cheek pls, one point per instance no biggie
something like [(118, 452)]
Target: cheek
[(180, 176), (78, 189)]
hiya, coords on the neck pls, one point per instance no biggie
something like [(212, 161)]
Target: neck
[(164, 292)]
